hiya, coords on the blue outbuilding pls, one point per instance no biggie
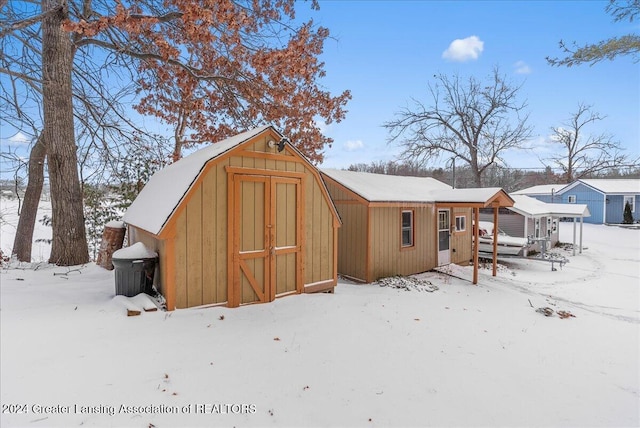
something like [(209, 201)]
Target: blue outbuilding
[(605, 198)]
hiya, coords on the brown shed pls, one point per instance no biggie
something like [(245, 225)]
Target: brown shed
[(242, 221), (394, 225)]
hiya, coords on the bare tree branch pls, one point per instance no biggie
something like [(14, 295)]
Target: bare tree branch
[(473, 121), (10, 27), (584, 155)]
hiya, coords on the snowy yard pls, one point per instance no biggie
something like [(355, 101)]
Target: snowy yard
[(367, 356)]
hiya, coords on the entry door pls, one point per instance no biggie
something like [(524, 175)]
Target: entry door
[(266, 248), (444, 238)]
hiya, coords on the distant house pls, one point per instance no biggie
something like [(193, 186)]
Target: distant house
[(537, 220), (544, 192), (605, 198), (245, 220), (393, 225)]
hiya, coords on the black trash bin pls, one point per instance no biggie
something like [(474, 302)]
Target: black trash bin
[(134, 270)]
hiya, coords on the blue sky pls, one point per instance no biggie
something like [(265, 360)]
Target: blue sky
[(386, 53)]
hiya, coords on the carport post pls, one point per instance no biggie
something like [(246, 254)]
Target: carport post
[(574, 236), (581, 223)]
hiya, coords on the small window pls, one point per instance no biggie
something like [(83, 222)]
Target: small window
[(571, 199), (537, 228), (407, 228), (631, 201), (461, 223)]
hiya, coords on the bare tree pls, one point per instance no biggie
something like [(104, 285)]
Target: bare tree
[(584, 155), (628, 44), (101, 126), (69, 244), (23, 241), (473, 121)]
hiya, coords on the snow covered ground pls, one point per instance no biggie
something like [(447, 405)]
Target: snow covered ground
[(368, 356)]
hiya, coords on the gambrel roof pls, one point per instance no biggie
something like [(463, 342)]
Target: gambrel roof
[(162, 194)]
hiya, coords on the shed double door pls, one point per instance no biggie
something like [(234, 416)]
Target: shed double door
[(267, 251)]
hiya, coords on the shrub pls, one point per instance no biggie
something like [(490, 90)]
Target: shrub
[(627, 217)]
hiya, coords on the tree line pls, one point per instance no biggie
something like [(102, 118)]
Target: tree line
[(510, 179)]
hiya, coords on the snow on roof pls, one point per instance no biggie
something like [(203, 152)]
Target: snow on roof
[(611, 185), (532, 207), (166, 188), (395, 188), (543, 189), (387, 188), (475, 195)]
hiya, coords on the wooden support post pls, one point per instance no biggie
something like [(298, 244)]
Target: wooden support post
[(476, 215), (495, 240)]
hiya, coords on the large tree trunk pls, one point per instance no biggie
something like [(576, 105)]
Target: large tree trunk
[(23, 240), (69, 246)]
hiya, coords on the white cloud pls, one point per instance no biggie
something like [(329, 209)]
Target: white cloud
[(522, 67), (461, 50), (353, 145), (19, 138)]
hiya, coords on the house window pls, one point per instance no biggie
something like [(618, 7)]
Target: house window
[(537, 228), (407, 228), (461, 223), (631, 201), (571, 199)]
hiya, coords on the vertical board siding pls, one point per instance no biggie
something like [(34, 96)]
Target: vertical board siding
[(593, 199), (615, 209), (352, 241), (181, 260), (352, 235), (221, 237), (318, 226), (384, 246), (388, 258), (461, 250), (209, 239), (194, 249), (200, 248), (311, 264)]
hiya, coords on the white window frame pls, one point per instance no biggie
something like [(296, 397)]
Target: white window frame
[(409, 228), (571, 199), (461, 223), (632, 200)]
